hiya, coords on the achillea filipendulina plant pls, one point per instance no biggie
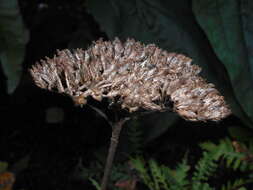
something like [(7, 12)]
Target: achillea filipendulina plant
[(135, 77)]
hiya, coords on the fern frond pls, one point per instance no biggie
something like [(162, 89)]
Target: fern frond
[(181, 173), (225, 150), (218, 150), (238, 183), (177, 179), (201, 186), (157, 173), (158, 177), (95, 183), (139, 164), (205, 167), (135, 136)]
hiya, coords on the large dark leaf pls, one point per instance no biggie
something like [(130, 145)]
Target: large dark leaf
[(13, 37), (228, 25), (171, 26)]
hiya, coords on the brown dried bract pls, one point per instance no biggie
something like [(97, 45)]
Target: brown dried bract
[(134, 76)]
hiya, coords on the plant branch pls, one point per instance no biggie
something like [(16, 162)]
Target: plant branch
[(116, 129)]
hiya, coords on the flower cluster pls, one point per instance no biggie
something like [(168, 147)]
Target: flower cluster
[(134, 76)]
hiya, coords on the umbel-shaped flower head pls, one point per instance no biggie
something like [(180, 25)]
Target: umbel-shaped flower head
[(133, 76)]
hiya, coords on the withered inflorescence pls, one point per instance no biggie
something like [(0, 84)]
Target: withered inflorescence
[(134, 76)]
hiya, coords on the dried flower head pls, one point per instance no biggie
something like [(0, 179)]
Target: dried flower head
[(134, 76)]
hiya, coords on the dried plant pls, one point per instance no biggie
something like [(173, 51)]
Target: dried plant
[(134, 76)]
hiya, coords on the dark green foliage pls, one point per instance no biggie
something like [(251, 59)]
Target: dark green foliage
[(228, 26), (13, 38), (158, 177), (237, 184), (140, 165), (176, 26), (94, 173), (204, 168), (161, 177), (135, 136), (225, 151)]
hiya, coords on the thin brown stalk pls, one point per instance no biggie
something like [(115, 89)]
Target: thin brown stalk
[(117, 126)]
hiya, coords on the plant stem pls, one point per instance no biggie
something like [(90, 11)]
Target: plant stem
[(116, 128)]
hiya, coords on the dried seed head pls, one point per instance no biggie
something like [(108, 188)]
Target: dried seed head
[(134, 76)]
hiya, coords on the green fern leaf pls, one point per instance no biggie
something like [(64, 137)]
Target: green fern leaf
[(201, 186), (95, 183), (205, 167), (181, 173), (234, 185), (139, 164)]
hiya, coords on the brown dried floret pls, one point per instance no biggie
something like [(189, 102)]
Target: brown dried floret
[(134, 76)]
